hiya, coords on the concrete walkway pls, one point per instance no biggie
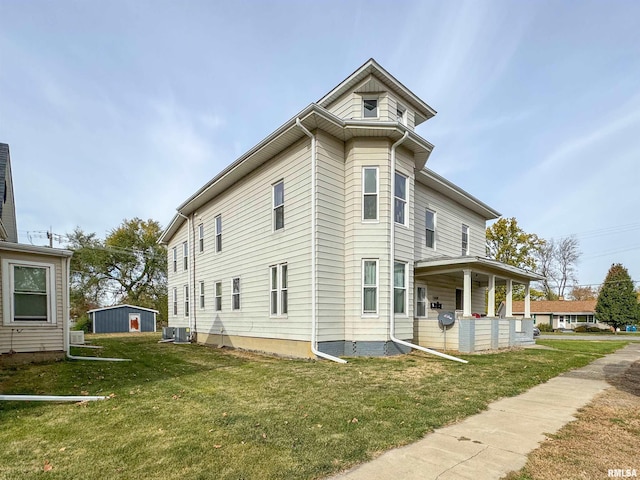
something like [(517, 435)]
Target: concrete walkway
[(497, 441)]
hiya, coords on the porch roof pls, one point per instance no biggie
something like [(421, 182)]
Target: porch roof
[(439, 265)]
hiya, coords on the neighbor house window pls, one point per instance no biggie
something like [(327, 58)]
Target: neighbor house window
[(400, 197), (201, 294), (218, 297), (219, 233), (370, 108), (370, 193), (399, 287), (175, 301), (421, 302), (279, 289), (430, 228), (28, 292), (235, 293), (185, 255), (175, 259), (369, 287), (278, 205), (186, 300), (465, 240), (201, 237)]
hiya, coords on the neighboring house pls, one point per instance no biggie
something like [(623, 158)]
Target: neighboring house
[(566, 314), (34, 284), (329, 237), (123, 318)]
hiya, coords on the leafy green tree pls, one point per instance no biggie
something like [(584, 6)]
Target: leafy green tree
[(129, 266), (617, 302)]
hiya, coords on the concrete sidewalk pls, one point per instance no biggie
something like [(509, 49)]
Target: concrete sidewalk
[(497, 441)]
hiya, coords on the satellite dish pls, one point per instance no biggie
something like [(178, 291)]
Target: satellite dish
[(446, 319)]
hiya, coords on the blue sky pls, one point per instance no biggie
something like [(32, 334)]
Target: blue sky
[(120, 109)]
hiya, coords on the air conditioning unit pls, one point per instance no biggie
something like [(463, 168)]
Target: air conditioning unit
[(168, 333), (182, 335), (76, 337)]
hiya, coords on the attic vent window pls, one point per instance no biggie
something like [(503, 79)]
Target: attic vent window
[(370, 108), (400, 114)]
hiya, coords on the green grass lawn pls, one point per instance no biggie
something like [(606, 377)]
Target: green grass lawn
[(188, 411)]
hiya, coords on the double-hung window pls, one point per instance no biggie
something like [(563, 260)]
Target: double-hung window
[(218, 296), (278, 205), (369, 286), (235, 293), (175, 301), (421, 302), (370, 193), (400, 199), (370, 108), (219, 233), (465, 240), (186, 300), (185, 256), (201, 294), (401, 113), (430, 228), (28, 292), (279, 289), (175, 259), (201, 237), (399, 287)]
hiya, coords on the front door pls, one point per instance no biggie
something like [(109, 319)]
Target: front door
[(134, 322)]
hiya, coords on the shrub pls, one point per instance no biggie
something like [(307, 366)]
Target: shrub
[(594, 329), (581, 329), (545, 327), (84, 323)]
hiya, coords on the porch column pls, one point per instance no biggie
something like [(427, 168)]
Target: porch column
[(527, 300), (509, 299), (466, 294), (491, 297)]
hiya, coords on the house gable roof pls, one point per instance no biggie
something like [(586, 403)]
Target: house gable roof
[(371, 77), (122, 306), (557, 306)]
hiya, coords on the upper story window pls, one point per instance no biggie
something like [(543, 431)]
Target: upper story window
[(29, 292), (430, 228), (201, 237), (400, 199), (185, 255), (465, 240), (401, 114), (175, 259), (370, 193), (370, 107), (278, 205), (219, 233)]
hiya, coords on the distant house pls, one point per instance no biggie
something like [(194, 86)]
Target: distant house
[(34, 287), (566, 314), (123, 318)]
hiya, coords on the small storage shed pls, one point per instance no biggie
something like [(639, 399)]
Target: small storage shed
[(122, 319)]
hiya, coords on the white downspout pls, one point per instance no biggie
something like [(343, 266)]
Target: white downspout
[(392, 247), (314, 320), (191, 290)]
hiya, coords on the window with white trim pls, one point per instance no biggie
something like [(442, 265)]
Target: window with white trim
[(278, 205), (201, 294), (186, 300), (421, 301), (401, 114), (278, 301), (369, 286), (28, 292), (400, 199), (465, 240), (370, 107), (235, 293), (185, 256), (399, 287), (201, 237), (219, 233), (218, 296), (430, 228), (175, 301), (370, 193), (175, 259)]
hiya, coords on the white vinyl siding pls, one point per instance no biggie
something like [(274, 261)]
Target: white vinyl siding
[(370, 193)]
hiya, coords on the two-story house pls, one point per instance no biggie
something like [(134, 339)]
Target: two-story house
[(330, 238)]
